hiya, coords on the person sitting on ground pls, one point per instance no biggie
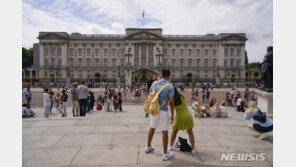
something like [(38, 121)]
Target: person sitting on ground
[(26, 111), (223, 110), (183, 120), (198, 111), (261, 125), (212, 109)]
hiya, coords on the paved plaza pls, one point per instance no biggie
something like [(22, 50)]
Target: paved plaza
[(118, 139)]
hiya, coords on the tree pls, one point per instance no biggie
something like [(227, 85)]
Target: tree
[(252, 65), (246, 58), (27, 57)]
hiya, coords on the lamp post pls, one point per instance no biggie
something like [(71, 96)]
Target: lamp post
[(68, 75), (159, 55), (118, 74), (128, 55)]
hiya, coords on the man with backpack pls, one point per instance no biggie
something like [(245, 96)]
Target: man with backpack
[(165, 92)]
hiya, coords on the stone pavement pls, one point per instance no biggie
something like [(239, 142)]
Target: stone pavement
[(118, 139)]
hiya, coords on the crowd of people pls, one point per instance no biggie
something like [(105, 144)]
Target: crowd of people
[(170, 95)]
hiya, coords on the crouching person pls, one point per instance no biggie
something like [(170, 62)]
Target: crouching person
[(263, 123)]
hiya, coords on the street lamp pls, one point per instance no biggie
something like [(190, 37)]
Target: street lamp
[(159, 55), (118, 73), (128, 55)]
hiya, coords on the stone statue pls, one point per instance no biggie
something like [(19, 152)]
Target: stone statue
[(266, 68)]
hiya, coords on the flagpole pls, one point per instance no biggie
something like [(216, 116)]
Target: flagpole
[(143, 19)]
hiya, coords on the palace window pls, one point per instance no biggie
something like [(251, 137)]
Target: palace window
[(181, 63), (231, 63), (143, 63), (189, 52), (80, 63), (52, 51), (206, 63), (97, 63), (214, 63), (206, 52), (150, 51), (88, 52), (122, 63), (181, 52), (189, 63), (173, 52), (113, 52), (237, 63), (97, 52), (59, 51), (164, 52), (173, 63), (52, 63), (105, 52), (113, 63), (71, 63), (136, 51), (231, 52), (46, 63), (225, 52), (198, 52), (60, 63), (164, 63), (214, 52), (71, 52), (197, 63), (88, 63), (225, 63), (80, 52), (105, 63), (122, 52), (46, 51), (238, 52)]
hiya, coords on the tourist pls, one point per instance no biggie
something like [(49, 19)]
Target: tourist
[(183, 120), (74, 101), (119, 101), (246, 97), (212, 109), (133, 95), (163, 116), (207, 94), (100, 102), (28, 96), (125, 92), (197, 110), (51, 93), (238, 103), (115, 102), (92, 101), (81, 95), (203, 92), (56, 100), (63, 104), (26, 111), (260, 127), (192, 94), (46, 103), (223, 110), (111, 98)]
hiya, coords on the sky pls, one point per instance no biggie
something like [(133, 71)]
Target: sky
[(186, 17)]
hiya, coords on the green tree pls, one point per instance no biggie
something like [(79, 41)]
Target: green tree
[(252, 65), (27, 57)]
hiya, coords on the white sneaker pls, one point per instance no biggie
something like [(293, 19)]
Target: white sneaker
[(170, 148), (167, 156), (149, 149), (193, 152)]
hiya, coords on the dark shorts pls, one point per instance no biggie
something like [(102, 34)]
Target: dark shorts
[(262, 129)]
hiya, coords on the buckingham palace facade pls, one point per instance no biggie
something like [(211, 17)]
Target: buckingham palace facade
[(137, 54)]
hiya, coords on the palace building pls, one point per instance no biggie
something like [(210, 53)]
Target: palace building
[(137, 54)]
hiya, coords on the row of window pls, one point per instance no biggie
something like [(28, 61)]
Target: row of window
[(53, 51), (231, 52), (143, 64), (97, 52)]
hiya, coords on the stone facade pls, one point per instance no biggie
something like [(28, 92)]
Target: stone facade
[(134, 56)]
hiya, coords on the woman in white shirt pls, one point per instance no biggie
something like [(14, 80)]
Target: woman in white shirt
[(260, 127), (46, 103)]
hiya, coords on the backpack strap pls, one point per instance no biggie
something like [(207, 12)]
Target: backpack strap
[(154, 88), (161, 91)]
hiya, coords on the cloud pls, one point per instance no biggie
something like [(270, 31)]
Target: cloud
[(174, 16)]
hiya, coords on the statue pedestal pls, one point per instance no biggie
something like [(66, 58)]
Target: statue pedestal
[(265, 102)]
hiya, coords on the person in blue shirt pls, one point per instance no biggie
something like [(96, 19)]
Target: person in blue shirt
[(166, 97)]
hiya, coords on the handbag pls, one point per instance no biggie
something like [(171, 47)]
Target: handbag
[(260, 116), (183, 145)]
